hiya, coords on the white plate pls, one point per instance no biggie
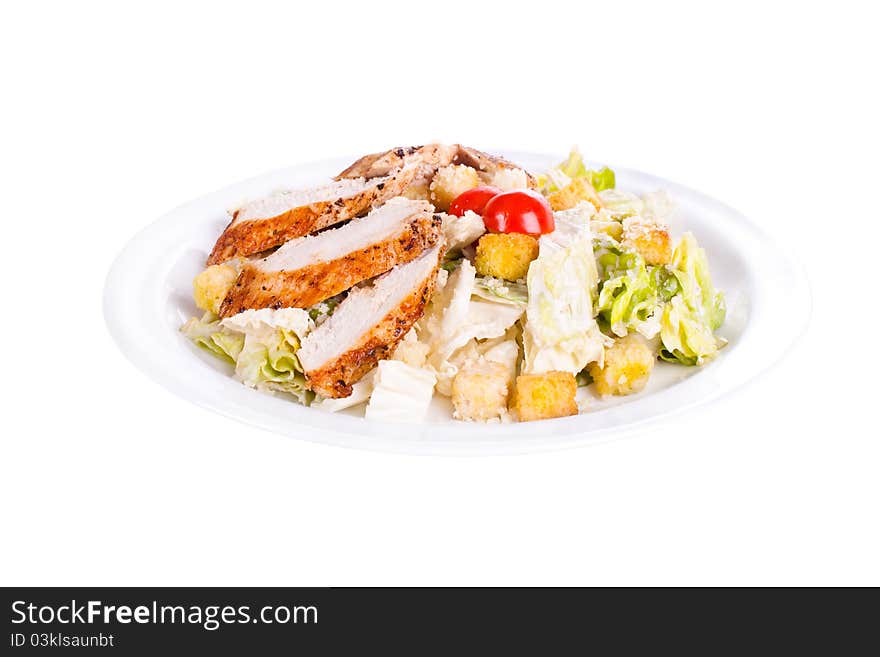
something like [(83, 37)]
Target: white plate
[(148, 296)]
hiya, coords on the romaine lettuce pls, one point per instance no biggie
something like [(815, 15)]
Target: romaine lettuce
[(208, 334), (501, 291), (619, 205), (269, 361), (628, 290), (561, 332), (602, 179), (691, 268), (458, 314), (695, 311), (686, 338), (401, 393), (262, 344), (574, 167), (271, 339)]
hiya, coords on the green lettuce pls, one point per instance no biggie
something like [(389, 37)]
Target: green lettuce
[(602, 179), (269, 361), (686, 338), (209, 335), (628, 290), (691, 268), (575, 167), (665, 283), (262, 344), (695, 311)]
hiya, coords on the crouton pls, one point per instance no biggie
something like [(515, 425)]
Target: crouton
[(479, 391), (628, 364), (210, 287), (418, 191), (541, 396), (573, 193), (505, 255), (508, 179), (411, 351), (449, 182), (650, 239)]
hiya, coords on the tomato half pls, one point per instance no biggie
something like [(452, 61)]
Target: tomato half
[(519, 211), (473, 199)]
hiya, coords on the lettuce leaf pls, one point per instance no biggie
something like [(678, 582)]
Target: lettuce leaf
[(209, 335), (695, 311), (268, 359), (665, 282), (561, 332), (691, 268), (686, 338), (574, 167), (602, 179), (497, 289), (460, 313), (262, 344), (462, 231), (401, 393), (619, 205), (628, 290)]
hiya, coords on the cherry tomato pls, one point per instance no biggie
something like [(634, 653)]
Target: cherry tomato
[(519, 211), (473, 199)]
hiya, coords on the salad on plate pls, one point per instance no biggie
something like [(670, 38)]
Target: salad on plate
[(440, 270)]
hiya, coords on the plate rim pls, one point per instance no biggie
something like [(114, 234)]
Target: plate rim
[(360, 433)]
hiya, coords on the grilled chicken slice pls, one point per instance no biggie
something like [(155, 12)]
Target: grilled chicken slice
[(487, 164), (428, 159), (310, 269), (268, 222), (368, 325)]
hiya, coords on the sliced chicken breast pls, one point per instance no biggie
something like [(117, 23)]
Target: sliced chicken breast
[(487, 164), (310, 269), (428, 159), (268, 222), (368, 325)]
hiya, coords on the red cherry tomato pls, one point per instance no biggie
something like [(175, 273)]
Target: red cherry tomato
[(473, 199), (519, 211)]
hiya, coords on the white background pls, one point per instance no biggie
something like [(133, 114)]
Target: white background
[(112, 115)]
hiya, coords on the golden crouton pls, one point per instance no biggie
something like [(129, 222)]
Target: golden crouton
[(541, 396), (418, 191), (628, 364), (652, 241), (505, 255), (479, 392), (573, 193), (411, 351), (449, 182), (210, 287)]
